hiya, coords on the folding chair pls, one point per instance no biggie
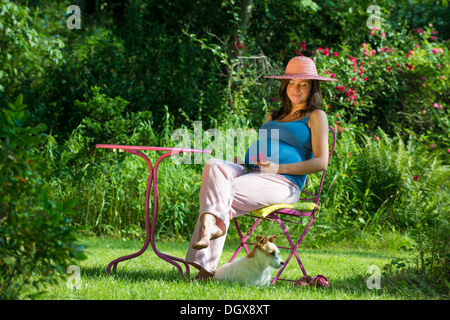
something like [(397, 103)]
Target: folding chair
[(273, 213)]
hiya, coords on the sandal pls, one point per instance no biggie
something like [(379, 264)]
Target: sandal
[(317, 281)]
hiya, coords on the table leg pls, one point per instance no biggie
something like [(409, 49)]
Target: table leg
[(147, 220), (150, 228), (166, 257)]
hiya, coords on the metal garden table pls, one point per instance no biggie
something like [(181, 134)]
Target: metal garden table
[(152, 179)]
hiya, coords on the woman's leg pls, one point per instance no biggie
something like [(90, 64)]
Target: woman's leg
[(228, 191)]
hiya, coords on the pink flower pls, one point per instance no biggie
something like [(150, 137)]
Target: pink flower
[(442, 77), (424, 78), (332, 75), (435, 51), (424, 111), (377, 138), (327, 72), (363, 44), (335, 54), (410, 67), (432, 146), (438, 65), (389, 69), (273, 99), (435, 105), (383, 34), (448, 150), (354, 79), (365, 78)]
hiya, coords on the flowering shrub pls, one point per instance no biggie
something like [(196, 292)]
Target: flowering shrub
[(396, 81)]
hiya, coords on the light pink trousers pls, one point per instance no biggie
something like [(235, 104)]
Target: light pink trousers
[(227, 191)]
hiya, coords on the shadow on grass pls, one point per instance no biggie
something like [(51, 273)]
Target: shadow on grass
[(134, 274)]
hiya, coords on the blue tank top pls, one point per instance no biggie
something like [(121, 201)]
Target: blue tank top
[(283, 142)]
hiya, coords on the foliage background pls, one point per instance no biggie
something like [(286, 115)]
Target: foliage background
[(138, 70)]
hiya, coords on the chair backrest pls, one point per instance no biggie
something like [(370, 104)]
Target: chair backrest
[(317, 197)]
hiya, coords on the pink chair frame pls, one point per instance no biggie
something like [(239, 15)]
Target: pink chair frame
[(275, 216)]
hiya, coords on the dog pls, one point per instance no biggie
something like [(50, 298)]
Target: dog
[(255, 268)]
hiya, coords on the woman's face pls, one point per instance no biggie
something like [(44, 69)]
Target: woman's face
[(298, 91)]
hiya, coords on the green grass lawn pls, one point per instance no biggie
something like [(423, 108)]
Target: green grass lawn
[(148, 277)]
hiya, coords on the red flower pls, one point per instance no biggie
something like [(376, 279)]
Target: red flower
[(415, 178)]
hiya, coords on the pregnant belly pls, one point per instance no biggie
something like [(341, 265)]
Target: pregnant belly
[(280, 152)]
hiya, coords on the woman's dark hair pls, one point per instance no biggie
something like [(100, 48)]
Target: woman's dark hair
[(314, 101)]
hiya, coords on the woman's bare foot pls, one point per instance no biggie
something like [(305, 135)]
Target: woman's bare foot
[(203, 275), (208, 231)]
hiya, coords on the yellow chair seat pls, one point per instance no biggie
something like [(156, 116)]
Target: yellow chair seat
[(264, 212)]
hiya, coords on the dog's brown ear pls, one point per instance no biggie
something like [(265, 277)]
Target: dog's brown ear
[(261, 240), (272, 238)]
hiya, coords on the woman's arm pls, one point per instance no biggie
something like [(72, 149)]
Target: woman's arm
[(318, 124)]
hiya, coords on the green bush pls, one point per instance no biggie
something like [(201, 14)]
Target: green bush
[(37, 240), (377, 181), (395, 81), (27, 51)]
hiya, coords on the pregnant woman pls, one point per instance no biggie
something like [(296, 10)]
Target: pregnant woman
[(293, 142)]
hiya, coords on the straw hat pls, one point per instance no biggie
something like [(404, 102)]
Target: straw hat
[(301, 67)]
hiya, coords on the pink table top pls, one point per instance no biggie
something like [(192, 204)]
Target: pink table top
[(124, 147)]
